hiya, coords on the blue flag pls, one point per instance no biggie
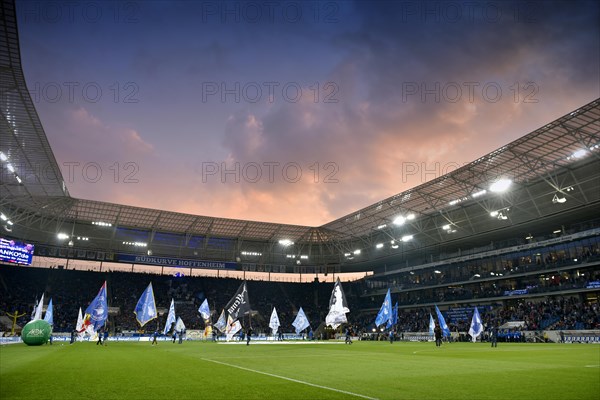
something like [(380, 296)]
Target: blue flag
[(49, 317), (301, 322), (476, 328), (431, 325), (394, 320), (204, 310), (97, 312), (145, 309), (170, 318), (385, 312), (442, 322)]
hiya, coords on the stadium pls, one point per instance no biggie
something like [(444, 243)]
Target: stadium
[(513, 236)]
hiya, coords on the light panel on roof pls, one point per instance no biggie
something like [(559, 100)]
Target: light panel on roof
[(501, 185)]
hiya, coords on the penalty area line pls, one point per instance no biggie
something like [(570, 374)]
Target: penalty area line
[(291, 379)]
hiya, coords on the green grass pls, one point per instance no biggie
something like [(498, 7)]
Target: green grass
[(378, 370)]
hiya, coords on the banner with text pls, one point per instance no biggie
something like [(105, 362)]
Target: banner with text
[(174, 262)]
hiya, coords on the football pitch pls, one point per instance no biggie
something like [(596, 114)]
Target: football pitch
[(331, 370)]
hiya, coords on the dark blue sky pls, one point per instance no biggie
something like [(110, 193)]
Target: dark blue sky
[(296, 112)]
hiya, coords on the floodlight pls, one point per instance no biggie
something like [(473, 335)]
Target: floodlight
[(579, 153), (501, 185), (400, 220), (556, 199)]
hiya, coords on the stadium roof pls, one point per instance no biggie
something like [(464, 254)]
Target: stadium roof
[(561, 158), (24, 141), (539, 154)]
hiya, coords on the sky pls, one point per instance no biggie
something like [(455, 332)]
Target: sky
[(294, 112)]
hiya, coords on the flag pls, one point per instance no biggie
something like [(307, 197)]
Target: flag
[(431, 325), (179, 326), (170, 318), (96, 313), (233, 327), (205, 311), (476, 326), (208, 332), (442, 322), (394, 320), (274, 321), (49, 317), (145, 309), (37, 312), (239, 303), (35, 304), (385, 312), (337, 306), (79, 326), (221, 324), (301, 322)]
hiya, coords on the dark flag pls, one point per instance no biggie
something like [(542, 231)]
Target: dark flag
[(239, 303), (338, 307)]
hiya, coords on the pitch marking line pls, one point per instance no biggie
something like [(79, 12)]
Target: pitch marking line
[(274, 342), (291, 379)]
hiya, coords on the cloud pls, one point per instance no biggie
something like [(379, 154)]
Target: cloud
[(397, 120), (84, 131), (99, 161)]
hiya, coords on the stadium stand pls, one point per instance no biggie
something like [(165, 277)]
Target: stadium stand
[(529, 255)]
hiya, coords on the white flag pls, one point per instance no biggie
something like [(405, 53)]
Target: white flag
[(232, 328), (301, 322), (170, 318), (221, 324), (274, 322), (179, 326), (38, 309), (431, 325), (79, 326), (476, 326)]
